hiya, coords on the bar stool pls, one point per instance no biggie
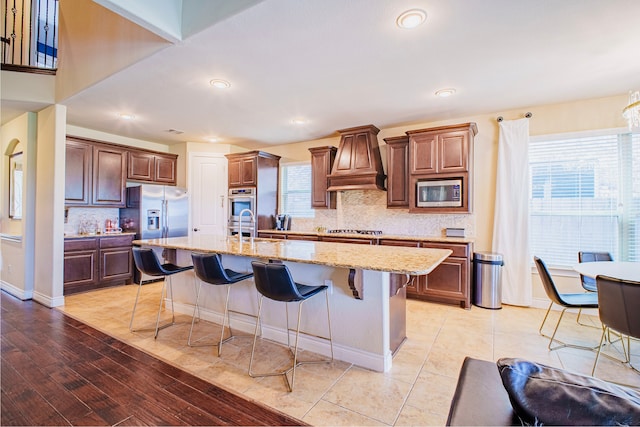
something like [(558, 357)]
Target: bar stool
[(147, 262), (208, 268), (274, 281)]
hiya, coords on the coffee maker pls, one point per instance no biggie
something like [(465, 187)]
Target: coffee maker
[(283, 222)]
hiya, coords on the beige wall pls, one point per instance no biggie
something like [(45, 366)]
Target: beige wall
[(95, 43), (16, 256)]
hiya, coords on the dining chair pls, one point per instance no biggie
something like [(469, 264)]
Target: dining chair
[(209, 270), (147, 262), (274, 281), (589, 283), (565, 300), (618, 309)]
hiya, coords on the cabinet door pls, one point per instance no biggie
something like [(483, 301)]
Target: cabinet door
[(141, 166), (165, 170), (116, 264), (321, 164), (423, 153), (248, 168), (77, 185), (109, 176), (449, 281), (235, 174), (397, 176), (80, 269), (453, 152)]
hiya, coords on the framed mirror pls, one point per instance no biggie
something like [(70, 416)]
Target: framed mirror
[(15, 185)]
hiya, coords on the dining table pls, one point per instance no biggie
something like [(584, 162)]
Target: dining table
[(623, 270)]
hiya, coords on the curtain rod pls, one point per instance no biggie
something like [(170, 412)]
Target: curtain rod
[(527, 115)]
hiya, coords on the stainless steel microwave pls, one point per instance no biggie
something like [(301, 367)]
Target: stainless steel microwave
[(438, 193)]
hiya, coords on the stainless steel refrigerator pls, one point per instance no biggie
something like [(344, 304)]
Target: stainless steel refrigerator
[(156, 211)]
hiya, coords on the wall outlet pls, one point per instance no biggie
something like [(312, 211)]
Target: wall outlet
[(328, 283), (9, 268)]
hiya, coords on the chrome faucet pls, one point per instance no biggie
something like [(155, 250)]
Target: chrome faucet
[(253, 220)]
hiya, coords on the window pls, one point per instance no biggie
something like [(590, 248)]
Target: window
[(295, 190), (585, 196)]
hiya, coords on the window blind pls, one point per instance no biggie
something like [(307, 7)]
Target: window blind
[(584, 196)]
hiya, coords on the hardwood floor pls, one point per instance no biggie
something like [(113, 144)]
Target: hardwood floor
[(58, 371)]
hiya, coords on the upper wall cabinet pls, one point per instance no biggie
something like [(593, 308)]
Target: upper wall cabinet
[(397, 176), (109, 176), (152, 167), (77, 184), (322, 159), (246, 169), (442, 153), (441, 150), (95, 174)]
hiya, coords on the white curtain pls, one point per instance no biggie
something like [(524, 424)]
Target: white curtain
[(511, 219)]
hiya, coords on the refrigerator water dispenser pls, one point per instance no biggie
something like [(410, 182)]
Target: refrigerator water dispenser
[(153, 219)]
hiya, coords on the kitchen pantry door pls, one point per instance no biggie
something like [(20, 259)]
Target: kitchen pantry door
[(208, 188)]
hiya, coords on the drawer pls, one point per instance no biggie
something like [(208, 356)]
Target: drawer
[(459, 250), (115, 241), (81, 244), (394, 242)]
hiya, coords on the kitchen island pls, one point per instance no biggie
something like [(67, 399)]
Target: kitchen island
[(368, 313)]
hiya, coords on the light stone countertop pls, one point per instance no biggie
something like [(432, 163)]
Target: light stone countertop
[(87, 236), (393, 259), (443, 239)]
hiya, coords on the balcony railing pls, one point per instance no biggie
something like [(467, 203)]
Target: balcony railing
[(30, 35)]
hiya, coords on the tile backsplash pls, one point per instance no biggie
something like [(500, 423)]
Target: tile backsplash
[(367, 209), (75, 216)]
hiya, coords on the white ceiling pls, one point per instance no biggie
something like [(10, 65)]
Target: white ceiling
[(344, 63)]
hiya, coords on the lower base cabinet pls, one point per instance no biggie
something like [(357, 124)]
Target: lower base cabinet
[(450, 282), (97, 262)]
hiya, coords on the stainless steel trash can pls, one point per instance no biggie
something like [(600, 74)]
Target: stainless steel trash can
[(487, 284)]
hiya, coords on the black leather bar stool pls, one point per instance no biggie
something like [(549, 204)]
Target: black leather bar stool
[(208, 268), (147, 262), (274, 281)]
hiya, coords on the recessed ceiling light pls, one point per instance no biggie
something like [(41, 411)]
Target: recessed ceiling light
[(298, 121), (220, 84), (411, 18), (213, 139), (125, 116), (443, 93)]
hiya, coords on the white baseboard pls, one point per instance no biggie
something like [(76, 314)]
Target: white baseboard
[(15, 291), (47, 300), (246, 323)]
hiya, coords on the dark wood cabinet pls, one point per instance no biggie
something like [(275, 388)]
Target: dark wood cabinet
[(260, 170), (243, 170), (397, 172), (322, 159), (80, 264), (441, 150), (96, 262), (356, 240), (441, 153), (109, 176), (450, 282), (78, 161), (311, 237), (95, 174), (152, 167)]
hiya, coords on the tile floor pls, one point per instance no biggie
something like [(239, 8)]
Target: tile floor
[(417, 390)]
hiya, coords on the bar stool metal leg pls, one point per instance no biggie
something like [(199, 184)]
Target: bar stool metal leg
[(294, 351)]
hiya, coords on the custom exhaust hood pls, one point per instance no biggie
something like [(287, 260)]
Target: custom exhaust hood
[(358, 165)]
